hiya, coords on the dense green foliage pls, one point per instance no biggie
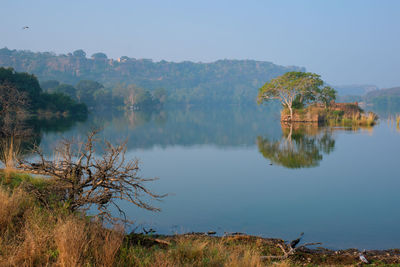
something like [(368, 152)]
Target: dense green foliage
[(24, 82), (222, 82), (326, 95), (63, 103), (95, 95), (37, 100)]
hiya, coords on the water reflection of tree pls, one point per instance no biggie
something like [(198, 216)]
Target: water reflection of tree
[(139, 118), (225, 127), (301, 146), (222, 127)]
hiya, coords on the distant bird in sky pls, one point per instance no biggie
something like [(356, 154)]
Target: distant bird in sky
[(362, 257), (25, 27), (295, 242)]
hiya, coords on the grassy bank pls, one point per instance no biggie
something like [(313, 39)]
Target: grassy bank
[(34, 234), (343, 114), (335, 118)]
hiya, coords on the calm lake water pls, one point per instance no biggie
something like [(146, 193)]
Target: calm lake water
[(237, 170)]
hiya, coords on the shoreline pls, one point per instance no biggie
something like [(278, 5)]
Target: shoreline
[(276, 249), (58, 239)]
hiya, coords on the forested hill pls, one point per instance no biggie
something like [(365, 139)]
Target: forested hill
[(385, 100), (222, 81), (390, 92)]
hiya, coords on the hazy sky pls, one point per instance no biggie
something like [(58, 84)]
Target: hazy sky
[(346, 41)]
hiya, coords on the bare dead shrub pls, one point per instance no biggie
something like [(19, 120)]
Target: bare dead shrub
[(86, 179)]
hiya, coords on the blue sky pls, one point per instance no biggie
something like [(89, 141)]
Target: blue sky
[(346, 41)]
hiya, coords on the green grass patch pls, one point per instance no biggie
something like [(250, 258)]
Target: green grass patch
[(12, 180)]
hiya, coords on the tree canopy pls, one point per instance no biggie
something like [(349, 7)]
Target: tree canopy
[(99, 56), (86, 90), (24, 82), (326, 95), (79, 53), (35, 99), (296, 88)]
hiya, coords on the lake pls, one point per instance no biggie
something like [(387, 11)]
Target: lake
[(237, 169)]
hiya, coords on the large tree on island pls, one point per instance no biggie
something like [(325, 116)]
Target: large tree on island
[(293, 87)]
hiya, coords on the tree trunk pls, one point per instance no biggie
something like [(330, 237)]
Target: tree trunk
[(289, 137), (291, 113)]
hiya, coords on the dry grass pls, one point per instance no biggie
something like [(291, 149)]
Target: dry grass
[(106, 242), (200, 251), (31, 235), (346, 114), (72, 242), (36, 240), (24, 236), (10, 150), (370, 119), (81, 242), (359, 119), (12, 207), (398, 121)]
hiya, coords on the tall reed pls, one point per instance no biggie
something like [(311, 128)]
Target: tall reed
[(10, 151), (368, 119), (371, 118)]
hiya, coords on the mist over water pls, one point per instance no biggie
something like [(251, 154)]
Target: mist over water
[(237, 169)]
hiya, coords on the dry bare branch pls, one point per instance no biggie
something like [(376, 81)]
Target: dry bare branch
[(88, 179)]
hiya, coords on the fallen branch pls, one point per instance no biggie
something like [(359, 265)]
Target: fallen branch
[(160, 241), (290, 251)]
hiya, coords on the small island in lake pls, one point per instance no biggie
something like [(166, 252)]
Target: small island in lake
[(306, 98)]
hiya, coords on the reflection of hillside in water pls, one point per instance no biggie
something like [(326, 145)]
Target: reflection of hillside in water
[(220, 127), (300, 146), (384, 111), (223, 127), (25, 133)]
